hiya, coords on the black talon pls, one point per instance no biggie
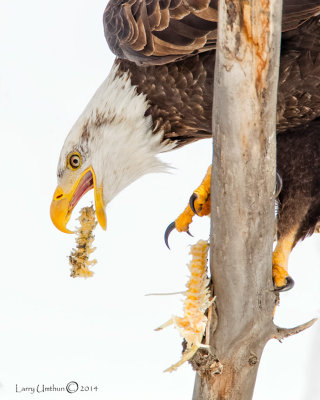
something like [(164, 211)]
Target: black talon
[(289, 285), (169, 229), (193, 198), (190, 234)]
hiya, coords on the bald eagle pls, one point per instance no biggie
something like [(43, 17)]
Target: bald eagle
[(158, 96)]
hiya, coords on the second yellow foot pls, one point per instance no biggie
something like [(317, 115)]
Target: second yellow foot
[(281, 279), (199, 204)]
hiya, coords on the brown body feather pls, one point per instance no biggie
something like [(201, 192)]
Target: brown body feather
[(180, 93), (168, 48)]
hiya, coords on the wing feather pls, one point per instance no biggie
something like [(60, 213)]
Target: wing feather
[(155, 32), (295, 12), (159, 31)]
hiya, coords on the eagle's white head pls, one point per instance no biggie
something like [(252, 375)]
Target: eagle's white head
[(109, 147)]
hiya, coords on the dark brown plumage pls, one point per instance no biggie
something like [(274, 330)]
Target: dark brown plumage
[(180, 92), (299, 166), (154, 32), (168, 47), (180, 96)]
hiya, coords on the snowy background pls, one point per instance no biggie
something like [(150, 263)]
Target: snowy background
[(99, 331)]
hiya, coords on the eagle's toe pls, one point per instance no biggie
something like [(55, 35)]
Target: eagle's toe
[(289, 283)]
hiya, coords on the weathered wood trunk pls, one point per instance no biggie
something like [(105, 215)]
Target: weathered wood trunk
[(242, 194)]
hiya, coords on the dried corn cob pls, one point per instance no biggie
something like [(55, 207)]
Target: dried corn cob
[(197, 300), (79, 258)]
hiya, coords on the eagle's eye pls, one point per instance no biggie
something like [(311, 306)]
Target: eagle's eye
[(74, 160)]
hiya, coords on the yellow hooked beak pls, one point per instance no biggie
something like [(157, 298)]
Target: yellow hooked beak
[(63, 203)]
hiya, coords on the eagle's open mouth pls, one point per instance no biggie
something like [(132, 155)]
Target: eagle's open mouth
[(63, 203), (85, 184)]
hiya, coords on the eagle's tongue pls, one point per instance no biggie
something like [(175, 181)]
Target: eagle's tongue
[(84, 186)]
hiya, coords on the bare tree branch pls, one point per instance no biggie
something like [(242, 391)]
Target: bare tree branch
[(282, 333)]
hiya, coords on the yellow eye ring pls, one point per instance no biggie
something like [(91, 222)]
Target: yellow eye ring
[(74, 160)]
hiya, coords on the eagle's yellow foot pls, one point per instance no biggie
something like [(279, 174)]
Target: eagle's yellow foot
[(199, 204), (281, 279)]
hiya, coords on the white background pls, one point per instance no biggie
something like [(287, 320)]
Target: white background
[(99, 331)]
